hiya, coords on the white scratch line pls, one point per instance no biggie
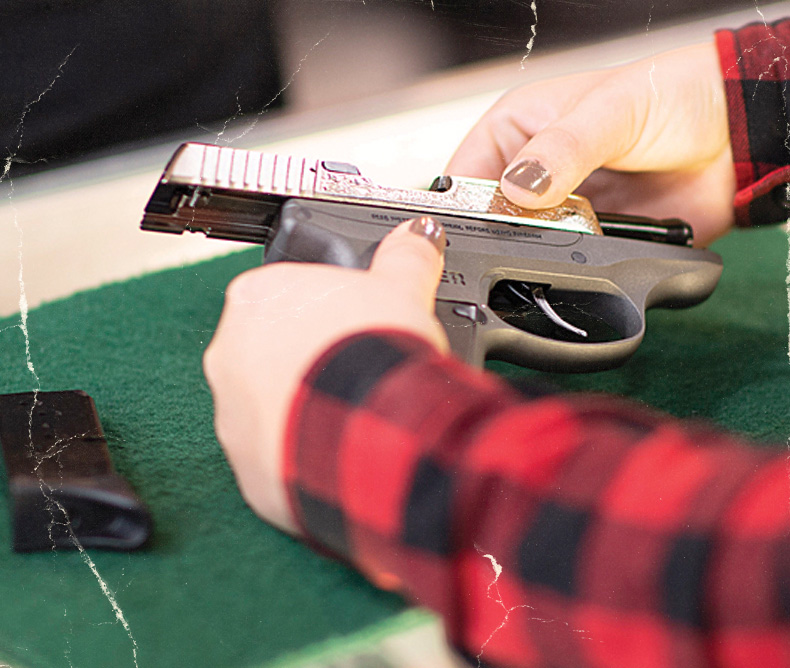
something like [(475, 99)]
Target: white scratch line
[(67, 651), (759, 11), (787, 196), (110, 597), (498, 599), (60, 443), (279, 93), (54, 506), (782, 56), (787, 280), (23, 307), (295, 311), (746, 51), (779, 58), (20, 127), (20, 131), (494, 585), (228, 121), (534, 29), (23, 313), (653, 63)]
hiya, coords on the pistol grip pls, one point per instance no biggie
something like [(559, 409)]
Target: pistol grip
[(296, 239)]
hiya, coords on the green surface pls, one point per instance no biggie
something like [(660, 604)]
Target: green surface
[(216, 587), (726, 359)]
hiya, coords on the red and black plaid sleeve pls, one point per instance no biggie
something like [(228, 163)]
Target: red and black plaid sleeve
[(547, 530), (755, 62)]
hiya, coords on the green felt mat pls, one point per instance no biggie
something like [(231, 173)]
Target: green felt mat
[(215, 586), (726, 359)]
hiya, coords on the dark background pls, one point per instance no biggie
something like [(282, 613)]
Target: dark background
[(83, 75)]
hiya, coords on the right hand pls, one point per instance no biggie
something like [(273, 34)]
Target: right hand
[(280, 318), (648, 138)]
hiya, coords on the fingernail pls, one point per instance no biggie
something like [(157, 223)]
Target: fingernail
[(530, 175), (431, 230)]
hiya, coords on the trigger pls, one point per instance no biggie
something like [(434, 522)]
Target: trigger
[(539, 298)]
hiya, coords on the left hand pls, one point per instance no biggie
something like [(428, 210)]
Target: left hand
[(649, 138), (278, 320)]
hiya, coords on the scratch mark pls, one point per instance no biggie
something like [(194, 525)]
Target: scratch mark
[(108, 594), (23, 306), (652, 47), (20, 132), (52, 504), (61, 444), (759, 11), (110, 597), (534, 29), (787, 280), (295, 311), (781, 57), (67, 651), (279, 93), (55, 508), (20, 126), (229, 120), (497, 598)]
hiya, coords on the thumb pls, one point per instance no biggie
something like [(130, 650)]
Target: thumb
[(413, 255), (557, 159)]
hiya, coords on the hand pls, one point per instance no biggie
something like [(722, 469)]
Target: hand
[(648, 138), (280, 318)]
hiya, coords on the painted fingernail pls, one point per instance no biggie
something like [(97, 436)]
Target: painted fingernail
[(431, 230), (530, 175)]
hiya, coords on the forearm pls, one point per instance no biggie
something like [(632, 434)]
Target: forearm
[(619, 532), (755, 63)]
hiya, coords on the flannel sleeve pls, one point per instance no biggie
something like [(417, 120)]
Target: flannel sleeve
[(755, 63), (547, 530)]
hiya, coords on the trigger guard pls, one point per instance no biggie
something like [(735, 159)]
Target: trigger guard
[(604, 315), (510, 344), (615, 322)]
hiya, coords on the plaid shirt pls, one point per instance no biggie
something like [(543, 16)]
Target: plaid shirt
[(536, 523), (537, 526), (755, 61)]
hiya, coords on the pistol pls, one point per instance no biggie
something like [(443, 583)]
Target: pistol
[(561, 289)]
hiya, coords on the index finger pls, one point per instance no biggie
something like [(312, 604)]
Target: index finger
[(488, 148), (512, 121)]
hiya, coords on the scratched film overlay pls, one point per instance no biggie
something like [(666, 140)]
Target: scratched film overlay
[(305, 56)]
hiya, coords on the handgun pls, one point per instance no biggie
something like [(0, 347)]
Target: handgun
[(560, 289)]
